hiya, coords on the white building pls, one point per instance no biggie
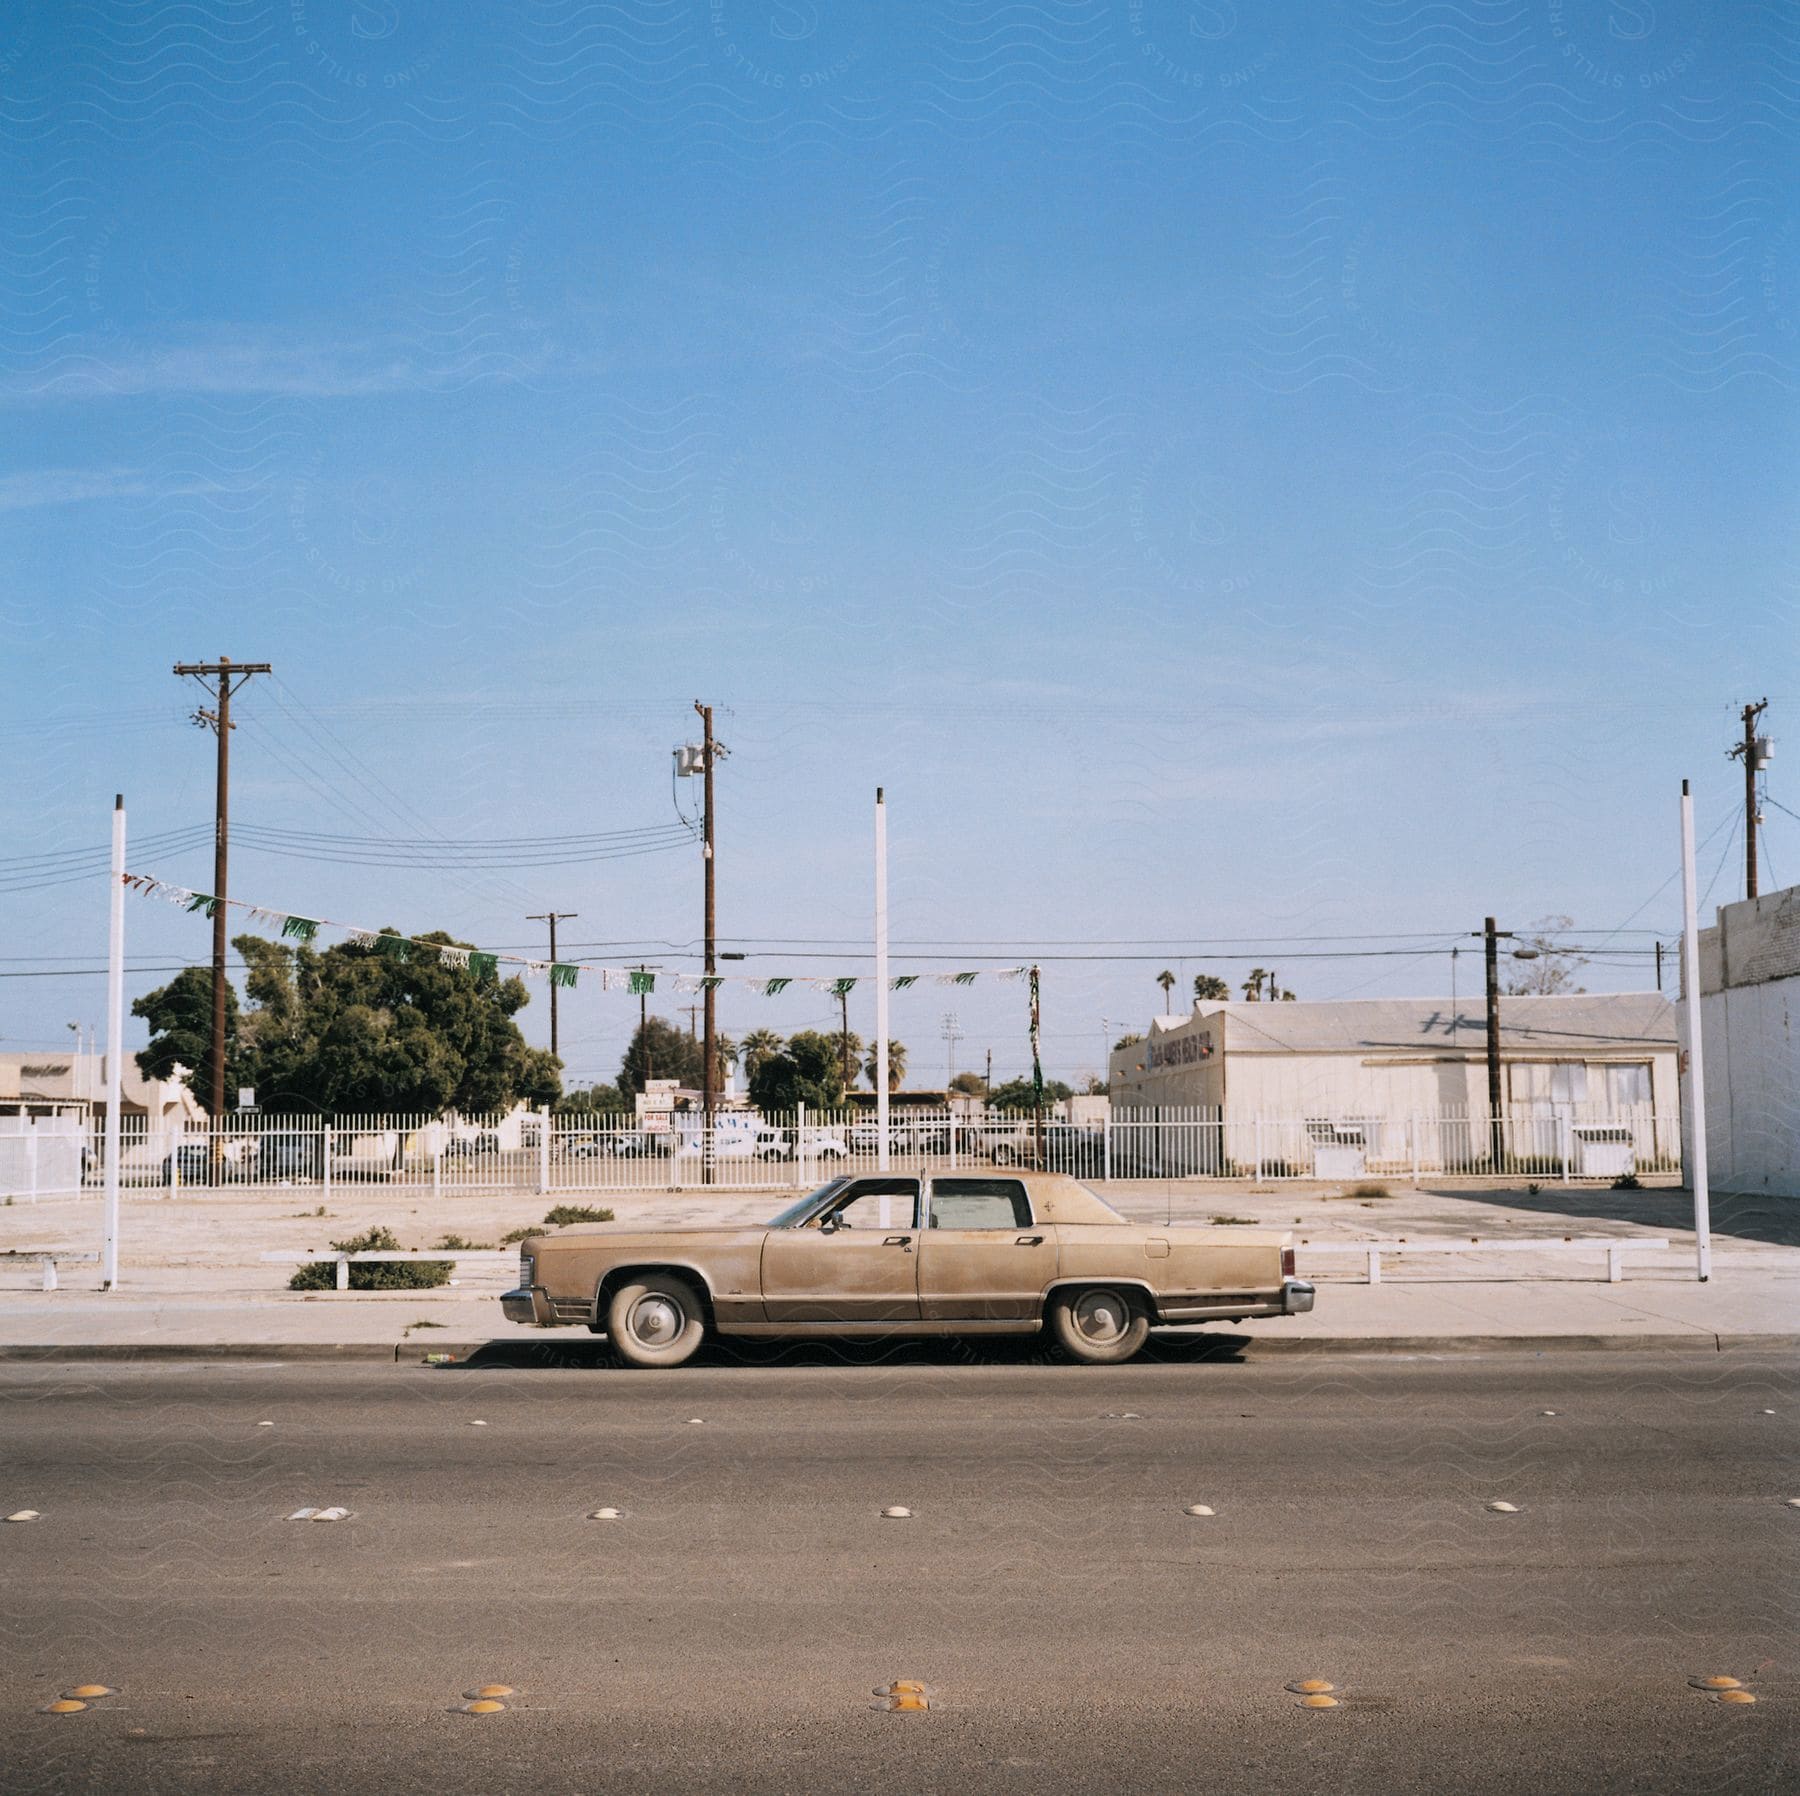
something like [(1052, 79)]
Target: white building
[(1588, 1081), (1749, 1006)]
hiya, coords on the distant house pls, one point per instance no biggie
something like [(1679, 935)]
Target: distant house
[(1750, 1018), (75, 1085)]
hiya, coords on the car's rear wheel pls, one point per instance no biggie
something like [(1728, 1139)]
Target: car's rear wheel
[(1099, 1325), (655, 1320)]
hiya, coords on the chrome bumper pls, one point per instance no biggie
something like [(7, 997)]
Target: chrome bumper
[(1296, 1297), (521, 1305)]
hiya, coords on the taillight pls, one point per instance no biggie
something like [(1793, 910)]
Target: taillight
[(1287, 1262)]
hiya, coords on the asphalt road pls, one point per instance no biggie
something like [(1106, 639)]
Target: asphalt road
[(1074, 1628)]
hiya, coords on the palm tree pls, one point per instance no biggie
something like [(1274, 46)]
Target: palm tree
[(725, 1054), (1210, 985), (1166, 980), (1254, 984), (896, 1066), (758, 1047)]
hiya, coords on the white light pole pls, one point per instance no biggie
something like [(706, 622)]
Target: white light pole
[(115, 1047), (881, 983), (1695, 1098)]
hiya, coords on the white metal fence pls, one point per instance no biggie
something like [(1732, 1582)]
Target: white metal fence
[(531, 1152)]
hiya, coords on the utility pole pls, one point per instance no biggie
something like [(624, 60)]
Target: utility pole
[(1659, 964), (988, 1079), (707, 1075), (693, 1011), (1753, 751), (844, 1038), (552, 917), (231, 675), (952, 1031), (644, 1025)]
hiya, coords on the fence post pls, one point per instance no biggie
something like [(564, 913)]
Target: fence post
[(1374, 1266), (330, 1137), (437, 1162), (1568, 1145), (953, 1141), (1259, 1147), (1412, 1143), (31, 1157), (800, 1142), (343, 1272), (1106, 1147), (544, 1157)]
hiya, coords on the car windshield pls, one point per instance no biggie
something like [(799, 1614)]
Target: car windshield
[(797, 1212)]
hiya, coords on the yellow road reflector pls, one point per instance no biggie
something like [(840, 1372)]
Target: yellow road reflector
[(1717, 1683), (1503, 1508), (483, 1705), (1198, 1509), (24, 1515), (1736, 1696), (84, 1692), (607, 1514), (904, 1696), (64, 1705), (908, 1703), (1311, 1686), (896, 1512), (490, 1690), (1318, 1702)]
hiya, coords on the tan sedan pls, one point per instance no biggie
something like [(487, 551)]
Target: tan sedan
[(954, 1254)]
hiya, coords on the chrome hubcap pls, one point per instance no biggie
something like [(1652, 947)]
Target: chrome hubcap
[(656, 1320), (1100, 1316)]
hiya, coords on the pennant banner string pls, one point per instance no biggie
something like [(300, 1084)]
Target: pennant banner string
[(638, 981)]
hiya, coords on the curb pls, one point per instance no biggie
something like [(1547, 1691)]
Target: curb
[(1235, 1348)]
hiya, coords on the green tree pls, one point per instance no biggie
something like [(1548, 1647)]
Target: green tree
[(807, 1071), (386, 1027), (896, 1066), (1016, 1094), (1126, 1041), (970, 1083), (674, 1054), (1166, 980), (1253, 985), (1553, 970), (180, 1019), (757, 1046), (593, 1100), (1210, 985)]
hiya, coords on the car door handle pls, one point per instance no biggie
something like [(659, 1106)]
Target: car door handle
[(1029, 1241), (903, 1242)]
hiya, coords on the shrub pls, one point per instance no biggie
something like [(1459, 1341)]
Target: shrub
[(575, 1213), (515, 1235), (373, 1275), (460, 1244), (1628, 1181), (1369, 1189), (1234, 1222)]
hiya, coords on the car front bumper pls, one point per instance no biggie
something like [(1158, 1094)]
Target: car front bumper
[(527, 1303)]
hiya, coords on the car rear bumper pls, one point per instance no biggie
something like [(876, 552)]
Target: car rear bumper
[(1296, 1296)]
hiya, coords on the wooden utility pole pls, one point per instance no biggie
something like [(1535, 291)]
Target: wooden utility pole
[(644, 1025), (844, 1038), (708, 1075), (1748, 752), (230, 675), (552, 917)]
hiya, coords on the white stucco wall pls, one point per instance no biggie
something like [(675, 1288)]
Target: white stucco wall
[(1752, 1065)]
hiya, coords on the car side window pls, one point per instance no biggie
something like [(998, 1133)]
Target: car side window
[(877, 1204), (979, 1204)]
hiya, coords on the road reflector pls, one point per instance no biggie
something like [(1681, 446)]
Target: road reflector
[(478, 1424), (904, 1696), (1199, 1509), (607, 1514), (24, 1515), (1546, 1412), (1716, 1683), (1311, 1686), (303, 1515), (483, 1705), (265, 1424), (86, 1692), (64, 1705), (896, 1512), (1736, 1697), (488, 1691), (1318, 1702), (1503, 1508), (696, 1421)]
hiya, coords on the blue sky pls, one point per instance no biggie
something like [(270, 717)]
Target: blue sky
[(1227, 478)]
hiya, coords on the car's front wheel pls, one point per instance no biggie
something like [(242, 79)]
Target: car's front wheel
[(655, 1320), (1098, 1325)]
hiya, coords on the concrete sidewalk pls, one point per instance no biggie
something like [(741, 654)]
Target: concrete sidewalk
[(192, 1283)]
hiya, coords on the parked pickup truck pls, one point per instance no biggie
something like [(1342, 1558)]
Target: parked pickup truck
[(953, 1254)]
